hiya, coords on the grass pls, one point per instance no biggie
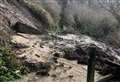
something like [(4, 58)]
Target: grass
[(10, 66)]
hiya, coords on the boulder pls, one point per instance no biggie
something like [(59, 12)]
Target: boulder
[(17, 20), (76, 47), (39, 67), (24, 28)]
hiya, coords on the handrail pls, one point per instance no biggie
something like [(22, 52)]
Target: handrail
[(91, 64)]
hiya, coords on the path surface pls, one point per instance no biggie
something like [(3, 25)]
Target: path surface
[(37, 50)]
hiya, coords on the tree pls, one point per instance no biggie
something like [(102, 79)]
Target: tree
[(112, 6), (90, 3), (62, 20)]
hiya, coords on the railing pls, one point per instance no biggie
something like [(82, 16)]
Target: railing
[(91, 67), (91, 64)]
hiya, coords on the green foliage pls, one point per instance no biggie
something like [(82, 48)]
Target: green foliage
[(10, 67), (97, 29), (41, 14)]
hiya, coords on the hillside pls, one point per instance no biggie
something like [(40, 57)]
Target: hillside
[(49, 41)]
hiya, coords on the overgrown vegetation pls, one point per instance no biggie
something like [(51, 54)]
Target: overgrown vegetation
[(97, 29), (41, 15), (85, 16), (90, 17), (10, 66)]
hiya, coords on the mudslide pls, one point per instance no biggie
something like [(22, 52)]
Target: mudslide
[(39, 51)]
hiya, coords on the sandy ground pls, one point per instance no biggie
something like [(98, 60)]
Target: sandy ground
[(62, 71)]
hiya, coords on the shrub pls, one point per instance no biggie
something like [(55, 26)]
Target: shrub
[(40, 14), (10, 67), (97, 28)]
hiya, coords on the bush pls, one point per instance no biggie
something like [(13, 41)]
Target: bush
[(10, 67), (41, 14), (98, 29)]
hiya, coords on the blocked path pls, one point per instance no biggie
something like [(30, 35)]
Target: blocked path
[(38, 51), (63, 71)]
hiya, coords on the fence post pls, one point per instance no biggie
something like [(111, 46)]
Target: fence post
[(91, 64)]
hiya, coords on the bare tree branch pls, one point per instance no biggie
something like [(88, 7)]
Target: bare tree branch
[(112, 6)]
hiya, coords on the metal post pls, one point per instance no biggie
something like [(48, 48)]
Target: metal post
[(91, 64)]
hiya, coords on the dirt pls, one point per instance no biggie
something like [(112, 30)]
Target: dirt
[(62, 70)]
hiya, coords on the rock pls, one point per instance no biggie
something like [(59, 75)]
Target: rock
[(40, 13), (39, 67), (23, 28), (37, 55), (17, 19), (60, 67), (76, 47), (58, 54)]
